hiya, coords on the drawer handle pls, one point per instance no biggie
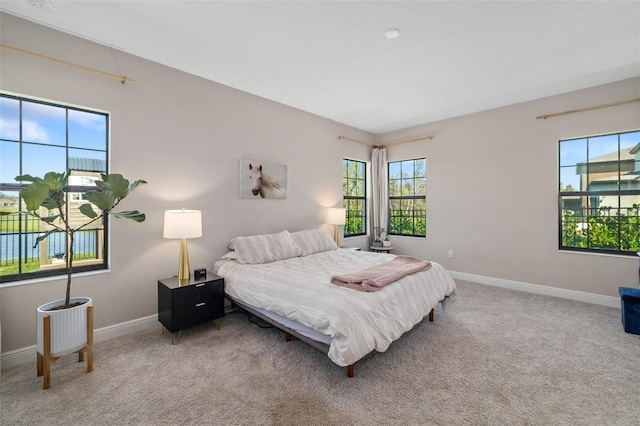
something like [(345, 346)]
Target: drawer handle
[(200, 304), (200, 285)]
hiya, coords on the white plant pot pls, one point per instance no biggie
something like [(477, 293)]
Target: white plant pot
[(68, 326), (386, 243)]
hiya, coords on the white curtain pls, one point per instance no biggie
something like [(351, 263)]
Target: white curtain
[(379, 197)]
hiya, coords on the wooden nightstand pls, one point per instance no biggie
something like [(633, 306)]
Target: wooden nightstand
[(188, 304)]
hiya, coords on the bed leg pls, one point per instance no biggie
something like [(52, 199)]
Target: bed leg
[(287, 337), (351, 370), (431, 315)]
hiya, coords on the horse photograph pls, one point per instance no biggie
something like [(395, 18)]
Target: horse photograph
[(261, 179)]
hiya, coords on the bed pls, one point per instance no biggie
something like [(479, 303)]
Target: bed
[(285, 279)]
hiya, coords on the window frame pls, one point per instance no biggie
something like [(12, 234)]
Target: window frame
[(406, 197), (583, 195), (70, 151), (362, 198)]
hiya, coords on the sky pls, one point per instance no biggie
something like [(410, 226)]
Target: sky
[(44, 131)]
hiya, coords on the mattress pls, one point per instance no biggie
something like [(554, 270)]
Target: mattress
[(291, 324), (299, 289)]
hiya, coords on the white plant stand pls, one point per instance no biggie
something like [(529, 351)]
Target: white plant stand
[(63, 332)]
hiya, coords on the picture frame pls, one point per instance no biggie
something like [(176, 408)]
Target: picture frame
[(262, 179)]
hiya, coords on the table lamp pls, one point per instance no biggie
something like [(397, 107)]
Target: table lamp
[(183, 224), (336, 216)]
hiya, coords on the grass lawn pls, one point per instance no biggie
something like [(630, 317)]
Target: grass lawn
[(13, 268)]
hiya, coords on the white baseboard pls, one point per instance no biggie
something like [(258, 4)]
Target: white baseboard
[(581, 296), (28, 354)]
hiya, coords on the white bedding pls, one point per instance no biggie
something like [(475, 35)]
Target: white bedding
[(358, 322)]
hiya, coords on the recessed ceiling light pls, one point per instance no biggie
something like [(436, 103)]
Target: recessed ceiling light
[(392, 33)]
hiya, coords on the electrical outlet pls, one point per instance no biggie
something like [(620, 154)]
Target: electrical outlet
[(451, 254)]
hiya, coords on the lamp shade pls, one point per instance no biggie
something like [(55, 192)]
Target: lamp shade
[(182, 224), (336, 216)]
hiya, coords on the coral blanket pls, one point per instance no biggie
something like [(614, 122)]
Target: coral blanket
[(376, 277)]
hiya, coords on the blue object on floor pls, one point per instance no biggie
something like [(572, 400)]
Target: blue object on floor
[(630, 305)]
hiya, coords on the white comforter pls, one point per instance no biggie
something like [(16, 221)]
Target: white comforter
[(358, 322)]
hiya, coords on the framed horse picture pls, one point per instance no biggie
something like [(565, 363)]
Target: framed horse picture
[(262, 179)]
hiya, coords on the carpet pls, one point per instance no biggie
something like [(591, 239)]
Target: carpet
[(493, 356)]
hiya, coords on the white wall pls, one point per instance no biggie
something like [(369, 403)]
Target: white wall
[(185, 136), (491, 176), (492, 190)]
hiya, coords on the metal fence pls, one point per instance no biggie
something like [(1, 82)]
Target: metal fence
[(16, 245)]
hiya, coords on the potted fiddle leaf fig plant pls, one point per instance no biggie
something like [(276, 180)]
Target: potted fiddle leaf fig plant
[(68, 317)]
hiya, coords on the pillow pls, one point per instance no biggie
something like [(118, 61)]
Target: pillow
[(232, 255), (265, 248), (313, 241)]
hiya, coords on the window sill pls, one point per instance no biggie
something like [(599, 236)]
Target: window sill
[(591, 253), (54, 278)]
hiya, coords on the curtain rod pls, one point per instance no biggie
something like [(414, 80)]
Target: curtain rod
[(571, 111), (389, 144), (123, 79), (353, 140)]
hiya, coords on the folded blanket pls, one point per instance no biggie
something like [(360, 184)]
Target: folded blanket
[(376, 277)]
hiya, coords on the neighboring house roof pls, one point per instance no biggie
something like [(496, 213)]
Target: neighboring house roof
[(626, 180), (635, 149), (625, 154), (87, 164), (608, 162)]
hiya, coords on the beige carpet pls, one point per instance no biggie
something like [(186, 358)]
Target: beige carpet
[(493, 357)]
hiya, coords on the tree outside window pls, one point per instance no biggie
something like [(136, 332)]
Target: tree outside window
[(408, 197), (354, 188)]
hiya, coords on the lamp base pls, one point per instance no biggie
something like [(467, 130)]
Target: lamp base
[(183, 263)]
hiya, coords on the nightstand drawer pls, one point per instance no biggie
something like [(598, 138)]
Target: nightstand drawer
[(191, 295), (187, 317)]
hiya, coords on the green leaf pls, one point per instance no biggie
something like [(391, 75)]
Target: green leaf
[(55, 181), (117, 184), (28, 178), (134, 215), (50, 203), (34, 195), (50, 219), (87, 210), (42, 237), (103, 200), (136, 184)]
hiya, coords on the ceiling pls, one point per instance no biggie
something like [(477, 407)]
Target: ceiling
[(332, 59)]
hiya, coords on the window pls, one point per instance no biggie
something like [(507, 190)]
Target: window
[(37, 137), (354, 189), (408, 197), (599, 193)]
